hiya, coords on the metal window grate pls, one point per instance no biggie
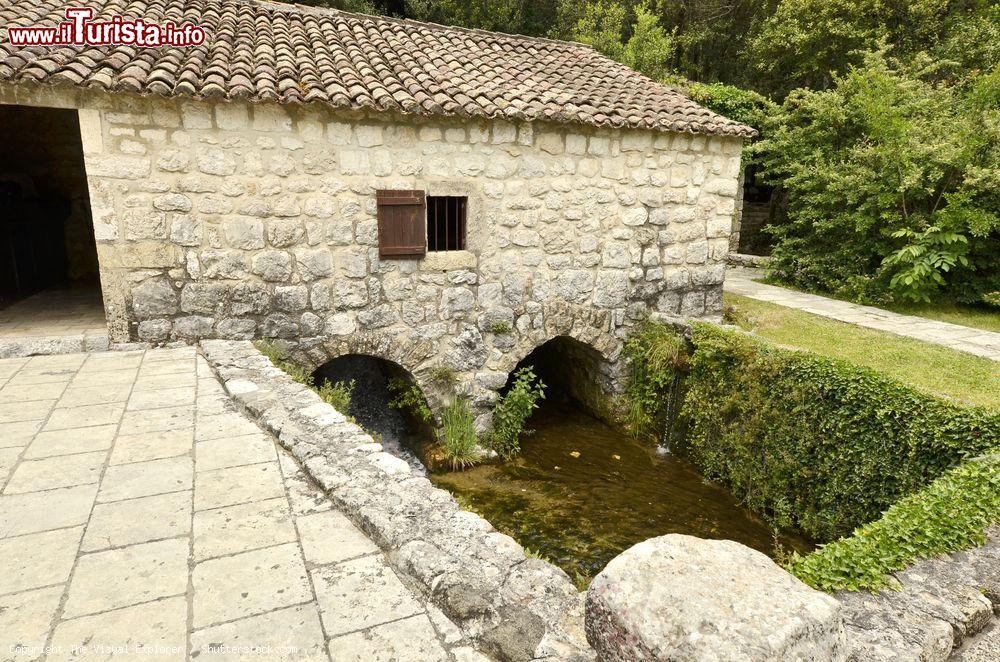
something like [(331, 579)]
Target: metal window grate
[(446, 222)]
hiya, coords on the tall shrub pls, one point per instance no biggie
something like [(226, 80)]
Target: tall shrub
[(893, 184)]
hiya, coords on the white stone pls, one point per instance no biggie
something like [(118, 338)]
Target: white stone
[(677, 597)]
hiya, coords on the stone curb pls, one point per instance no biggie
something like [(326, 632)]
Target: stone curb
[(514, 607), (747, 260), (941, 602), (19, 347)]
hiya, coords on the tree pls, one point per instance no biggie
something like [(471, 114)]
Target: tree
[(892, 182), (642, 44)]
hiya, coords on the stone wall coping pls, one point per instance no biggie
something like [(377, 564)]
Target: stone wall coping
[(937, 605), (514, 607)]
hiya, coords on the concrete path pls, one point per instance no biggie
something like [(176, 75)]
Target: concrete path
[(961, 338), (141, 516)]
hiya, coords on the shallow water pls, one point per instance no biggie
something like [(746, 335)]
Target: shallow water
[(579, 512)]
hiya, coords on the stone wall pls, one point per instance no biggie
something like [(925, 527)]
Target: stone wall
[(236, 221)]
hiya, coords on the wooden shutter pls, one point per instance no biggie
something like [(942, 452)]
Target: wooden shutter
[(402, 224)]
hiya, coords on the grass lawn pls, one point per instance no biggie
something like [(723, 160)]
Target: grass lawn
[(922, 365)]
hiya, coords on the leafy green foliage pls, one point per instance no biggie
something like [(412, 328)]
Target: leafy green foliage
[(337, 395), (892, 183), (458, 434), (512, 411), (442, 376), (656, 357), (808, 442), (408, 397), (950, 514), (736, 103), (649, 48)]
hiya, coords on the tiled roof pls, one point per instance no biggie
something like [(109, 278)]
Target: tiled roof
[(293, 54)]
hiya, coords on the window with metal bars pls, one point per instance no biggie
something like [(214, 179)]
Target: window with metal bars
[(446, 222)]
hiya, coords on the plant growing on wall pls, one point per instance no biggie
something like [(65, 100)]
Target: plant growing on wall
[(409, 398), (500, 327), (511, 412), (804, 440), (657, 356), (337, 394), (442, 376)]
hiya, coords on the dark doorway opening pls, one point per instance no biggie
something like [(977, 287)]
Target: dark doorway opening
[(48, 254)]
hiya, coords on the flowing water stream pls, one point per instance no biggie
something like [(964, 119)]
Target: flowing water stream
[(579, 494)]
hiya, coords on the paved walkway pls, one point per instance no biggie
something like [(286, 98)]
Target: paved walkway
[(140, 514), (961, 338), (55, 321)]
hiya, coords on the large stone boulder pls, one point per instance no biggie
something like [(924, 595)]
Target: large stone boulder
[(681, 598)]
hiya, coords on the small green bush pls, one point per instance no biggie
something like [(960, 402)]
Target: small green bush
[(458, 434), (657, 357), (950, 514), (443, 376), (511, 412), (807, 442), (337, 395), (408, 397)]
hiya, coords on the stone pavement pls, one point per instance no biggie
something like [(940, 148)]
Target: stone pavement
[(55, 321), (962, 338), (138, 509)]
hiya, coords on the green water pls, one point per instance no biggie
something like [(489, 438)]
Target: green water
[(580, 512)]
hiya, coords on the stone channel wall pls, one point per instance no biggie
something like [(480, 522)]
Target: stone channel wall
[(641, 606), (235, 220), (513, 607)]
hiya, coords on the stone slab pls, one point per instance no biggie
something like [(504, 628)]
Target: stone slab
[(242, 527), (38, 559), (360, 594), (129, 481), (33, 512), (248, 584), (143, 519), (127, 576), (292, 634)]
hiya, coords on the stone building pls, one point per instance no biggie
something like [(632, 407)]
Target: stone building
[(426, 194)]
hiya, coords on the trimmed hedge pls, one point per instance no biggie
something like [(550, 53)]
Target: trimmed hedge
[(950, 514), (809, 442)]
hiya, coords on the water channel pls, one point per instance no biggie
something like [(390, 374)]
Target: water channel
[(581, 491)]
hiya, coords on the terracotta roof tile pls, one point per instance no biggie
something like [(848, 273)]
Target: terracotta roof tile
[(293, 54)]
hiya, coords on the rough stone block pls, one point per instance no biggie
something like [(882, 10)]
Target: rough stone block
[(679, 598), (154, 298), (274, 266), (231, 116), (118, 167), (244, 233)]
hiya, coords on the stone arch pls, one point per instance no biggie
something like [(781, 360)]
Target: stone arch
[(398, 349), (577, 369)]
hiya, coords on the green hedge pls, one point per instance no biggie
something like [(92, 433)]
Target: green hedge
[(809, 442), (950, 514)]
